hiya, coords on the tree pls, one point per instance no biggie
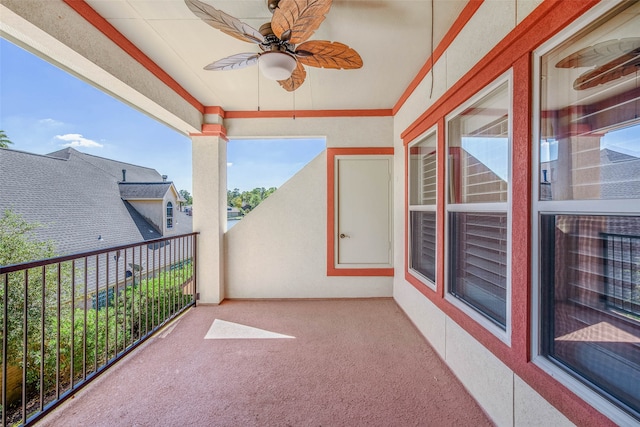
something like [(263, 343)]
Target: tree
[(47, 323), (248, 200), (4, 140), (187, 196), (16, 246)]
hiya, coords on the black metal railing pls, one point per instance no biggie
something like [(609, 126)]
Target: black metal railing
[(622, 272), (67, 319)]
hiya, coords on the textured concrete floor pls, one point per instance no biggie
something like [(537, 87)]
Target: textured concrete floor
[(349, 363)]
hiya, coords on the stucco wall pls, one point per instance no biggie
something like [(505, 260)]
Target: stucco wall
[(279, 250), (506, 398), (152, 211), (169, 197), (338, 131)]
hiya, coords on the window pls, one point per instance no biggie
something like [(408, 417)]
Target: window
[(478, 146), (587, 211), (422, 209), (169, 215)]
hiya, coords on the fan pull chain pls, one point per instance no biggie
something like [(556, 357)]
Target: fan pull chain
[(294, 105), (258, 71)]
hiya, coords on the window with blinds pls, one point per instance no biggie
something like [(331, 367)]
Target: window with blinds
[(423, 243), (478, 268), (427, 184), (422, 204), (478, 146)]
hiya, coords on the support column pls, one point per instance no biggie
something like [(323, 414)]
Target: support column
[(209, 169)]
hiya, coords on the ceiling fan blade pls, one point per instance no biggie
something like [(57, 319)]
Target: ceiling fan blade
[(296, 79), (326, 54), (234, 62), (613, 70), (600, 53), (301, 17), (224, 22)]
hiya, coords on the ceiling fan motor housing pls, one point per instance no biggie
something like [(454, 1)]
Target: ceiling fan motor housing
[(272, 42)]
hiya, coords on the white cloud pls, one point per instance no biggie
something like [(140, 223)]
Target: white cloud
[(50, 122), (229, 164), (77, 140)]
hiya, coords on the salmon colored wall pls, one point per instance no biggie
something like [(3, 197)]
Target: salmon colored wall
[(513, 52)]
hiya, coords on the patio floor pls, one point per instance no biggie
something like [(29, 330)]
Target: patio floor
[(279, 363)]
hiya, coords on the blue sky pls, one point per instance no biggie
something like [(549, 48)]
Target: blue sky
[(44, 109), (268, 163)]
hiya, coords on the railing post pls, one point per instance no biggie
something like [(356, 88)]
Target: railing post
[(61, 340), (5, 341)]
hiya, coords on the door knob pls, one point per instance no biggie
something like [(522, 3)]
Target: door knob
[(344, 236)]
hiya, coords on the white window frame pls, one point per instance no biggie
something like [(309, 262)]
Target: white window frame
[(569, 207), (433, 132), (169, 204), (503, 334)]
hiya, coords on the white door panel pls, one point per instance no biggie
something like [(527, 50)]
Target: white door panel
[(363, 223)]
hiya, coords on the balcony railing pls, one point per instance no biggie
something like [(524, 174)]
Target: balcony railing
[(622, 272), (67, 319)]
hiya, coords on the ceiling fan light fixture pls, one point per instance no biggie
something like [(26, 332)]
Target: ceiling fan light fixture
[(276, 65)]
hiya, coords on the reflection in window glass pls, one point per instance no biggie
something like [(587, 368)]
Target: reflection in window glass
[(422, 204), (479, 150), (590, 118), (591, 281), (422, 172), (590, 252), (478, 144)]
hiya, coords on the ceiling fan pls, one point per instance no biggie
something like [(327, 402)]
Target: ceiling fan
[(612, 59), (283, 41)]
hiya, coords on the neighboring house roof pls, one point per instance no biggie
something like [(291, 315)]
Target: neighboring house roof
[(144, 190), (617, 156), (619, 174), (112, 167), (76, 199)]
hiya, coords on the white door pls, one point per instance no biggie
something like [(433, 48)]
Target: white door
[(363, 211)]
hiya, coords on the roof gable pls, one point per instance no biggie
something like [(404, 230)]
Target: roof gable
[(143, 190), (74, 199)]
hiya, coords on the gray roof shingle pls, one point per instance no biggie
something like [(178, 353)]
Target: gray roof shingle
[(143, 190), (75, 197)]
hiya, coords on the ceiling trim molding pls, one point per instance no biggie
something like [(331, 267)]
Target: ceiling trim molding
[(306, 114), (215, 110), (101, 24), (212, 130)]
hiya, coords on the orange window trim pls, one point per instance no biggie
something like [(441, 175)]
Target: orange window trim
[(514, 51)]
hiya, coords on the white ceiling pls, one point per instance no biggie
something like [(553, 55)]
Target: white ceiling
[(393, 37)]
